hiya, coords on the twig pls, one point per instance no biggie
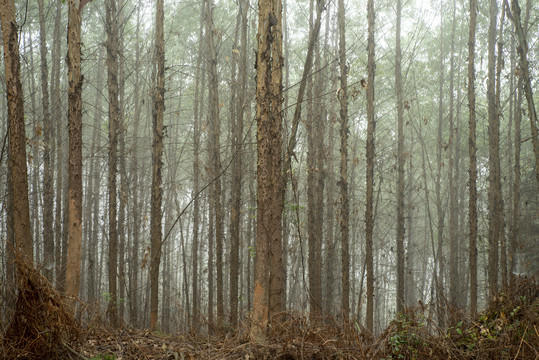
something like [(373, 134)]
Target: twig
[(521, 340), (73, 351)]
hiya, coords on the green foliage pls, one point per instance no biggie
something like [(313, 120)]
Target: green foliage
[(406, 339)]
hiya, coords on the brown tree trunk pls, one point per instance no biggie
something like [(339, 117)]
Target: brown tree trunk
[(74, 225), (196, 171), (494, 193), (269, 140), (453, 224), (56, 115), (213, 120), (114, 113), (314, 190), (157, 154), (503, 249), (369, 218), (48, 191), (17, 136), (472, 150), (400, 165), (237, 170), (344, 205), (92, 191)]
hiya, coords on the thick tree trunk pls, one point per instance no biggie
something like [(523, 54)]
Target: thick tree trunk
[(269, 140), (74, 225), (17, 136)]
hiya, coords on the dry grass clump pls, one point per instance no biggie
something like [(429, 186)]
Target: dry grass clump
[(42, 327)]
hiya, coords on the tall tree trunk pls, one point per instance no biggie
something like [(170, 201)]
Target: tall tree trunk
[(314, 192), (344, 205), (157, 154), (369, 218), (503, 249), (472, 150), (134, 172), (114, 113), (439, 274), (237, 170), (274, 165), (494, 193), (213, 117), (121, 129), (56, 115), (17, 136), (74, 225), (48, 191), (453, 224), (400, 165), (196, 170), (269, 174), (92, 191)]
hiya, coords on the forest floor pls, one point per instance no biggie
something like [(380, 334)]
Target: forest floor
[(42, 328)]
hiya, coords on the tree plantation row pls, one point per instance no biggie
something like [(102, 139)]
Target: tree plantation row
[(194, 165)]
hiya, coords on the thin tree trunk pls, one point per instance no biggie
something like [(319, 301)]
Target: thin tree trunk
[(237, 170), (196, 171), (494, 193), (114, 111), (472, 150), (344, 205), (400, 165), (157, 154), (369, 219), (48, 191), (213, 120)]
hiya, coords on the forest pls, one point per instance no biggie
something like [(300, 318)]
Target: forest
[(269, 179)]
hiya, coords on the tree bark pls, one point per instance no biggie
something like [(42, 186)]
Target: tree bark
[(472, 150), (237, 170), (494, 193), (213, 120), (157, 154), (75, 79), (17, 136), (400, 165), (269, 174), (369, 218), (114, 113), (344, 204), (48, 191), (196, 170)]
